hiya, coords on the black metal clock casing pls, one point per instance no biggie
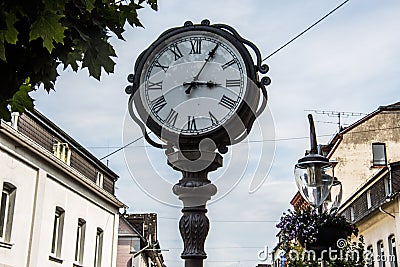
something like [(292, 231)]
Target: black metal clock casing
[(196, 82)]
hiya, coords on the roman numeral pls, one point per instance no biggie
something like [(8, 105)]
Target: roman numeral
[(155, 86), (191, 126), (214, 120), (196, 46), (158, 103), (171, 118), (232, 83), (157, 64), (227, 102), (177, 53), (227, 64)]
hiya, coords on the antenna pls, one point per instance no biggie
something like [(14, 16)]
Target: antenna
[(338, 114)]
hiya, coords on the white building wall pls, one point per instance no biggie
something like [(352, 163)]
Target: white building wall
[(354, 153), (379, 227), (24, 178), (40, 187)]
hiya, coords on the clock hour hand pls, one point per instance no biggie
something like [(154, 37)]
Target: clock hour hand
[(211, 54), (194, 84)]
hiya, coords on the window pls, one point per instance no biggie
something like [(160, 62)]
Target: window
[(381, 254), (7, 200), (98, 248), (387, 184), (57, 232), (392, 251), (99, 179), (369, 202), (352, 217), (379, 154), (62, 151), (80, 240), (370, 256)]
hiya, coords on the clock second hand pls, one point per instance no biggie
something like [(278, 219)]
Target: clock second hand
[(211, 54)]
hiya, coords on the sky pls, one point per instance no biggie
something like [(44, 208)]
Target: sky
[(347, 63)]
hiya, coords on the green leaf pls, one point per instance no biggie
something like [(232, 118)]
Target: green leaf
[(153, 4), (71, 59), (2, 51), (21, 99), (90, 5), (99, 56), (53, 5), (48, 27), (11, 34)]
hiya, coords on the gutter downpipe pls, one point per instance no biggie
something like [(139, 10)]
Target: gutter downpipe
[(390, 193)]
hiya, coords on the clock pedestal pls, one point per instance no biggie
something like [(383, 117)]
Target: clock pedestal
[(194, 189)]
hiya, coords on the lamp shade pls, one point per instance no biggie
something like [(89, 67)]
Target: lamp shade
[(334, 199), (312, 179)]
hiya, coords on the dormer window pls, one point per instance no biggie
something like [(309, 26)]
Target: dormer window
[(369, 200), (379, 154), (99, 179), (352, 215), (62, 151)]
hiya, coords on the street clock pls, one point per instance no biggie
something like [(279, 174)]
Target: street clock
[(196, 82)]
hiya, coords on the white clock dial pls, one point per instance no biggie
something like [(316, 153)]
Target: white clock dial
[(194, 83)]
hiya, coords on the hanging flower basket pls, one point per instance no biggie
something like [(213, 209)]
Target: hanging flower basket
[(327, 239), (314, 231)]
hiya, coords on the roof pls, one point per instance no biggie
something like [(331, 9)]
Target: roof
[(79, 148), (337, 138), (48, 157)]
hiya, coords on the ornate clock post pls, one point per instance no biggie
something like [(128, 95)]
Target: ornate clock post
[(197, 89)]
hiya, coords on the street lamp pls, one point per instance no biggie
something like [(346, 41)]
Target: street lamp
[(311, 175), (334, 199)]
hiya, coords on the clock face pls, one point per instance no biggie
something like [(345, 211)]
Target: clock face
[(193, 83)]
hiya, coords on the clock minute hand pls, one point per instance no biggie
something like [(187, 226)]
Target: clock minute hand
[(211, 54)]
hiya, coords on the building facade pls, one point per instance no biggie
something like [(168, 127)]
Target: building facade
[(368, 165), (138, 245), (58, 206)]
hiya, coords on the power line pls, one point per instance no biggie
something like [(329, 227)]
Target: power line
[(119, 149), (276, 51), (251, 141), (306, 30)]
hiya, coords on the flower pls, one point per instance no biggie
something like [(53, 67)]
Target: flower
[(305, 224)]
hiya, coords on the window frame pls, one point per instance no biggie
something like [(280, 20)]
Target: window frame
[(392, 250), (80, 241), (352, 214), (98, 247), (7, 206), (371, 260), (369, 199), (99, 179), (375, 161), (58, 229), (62, 151), (381, 253)]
